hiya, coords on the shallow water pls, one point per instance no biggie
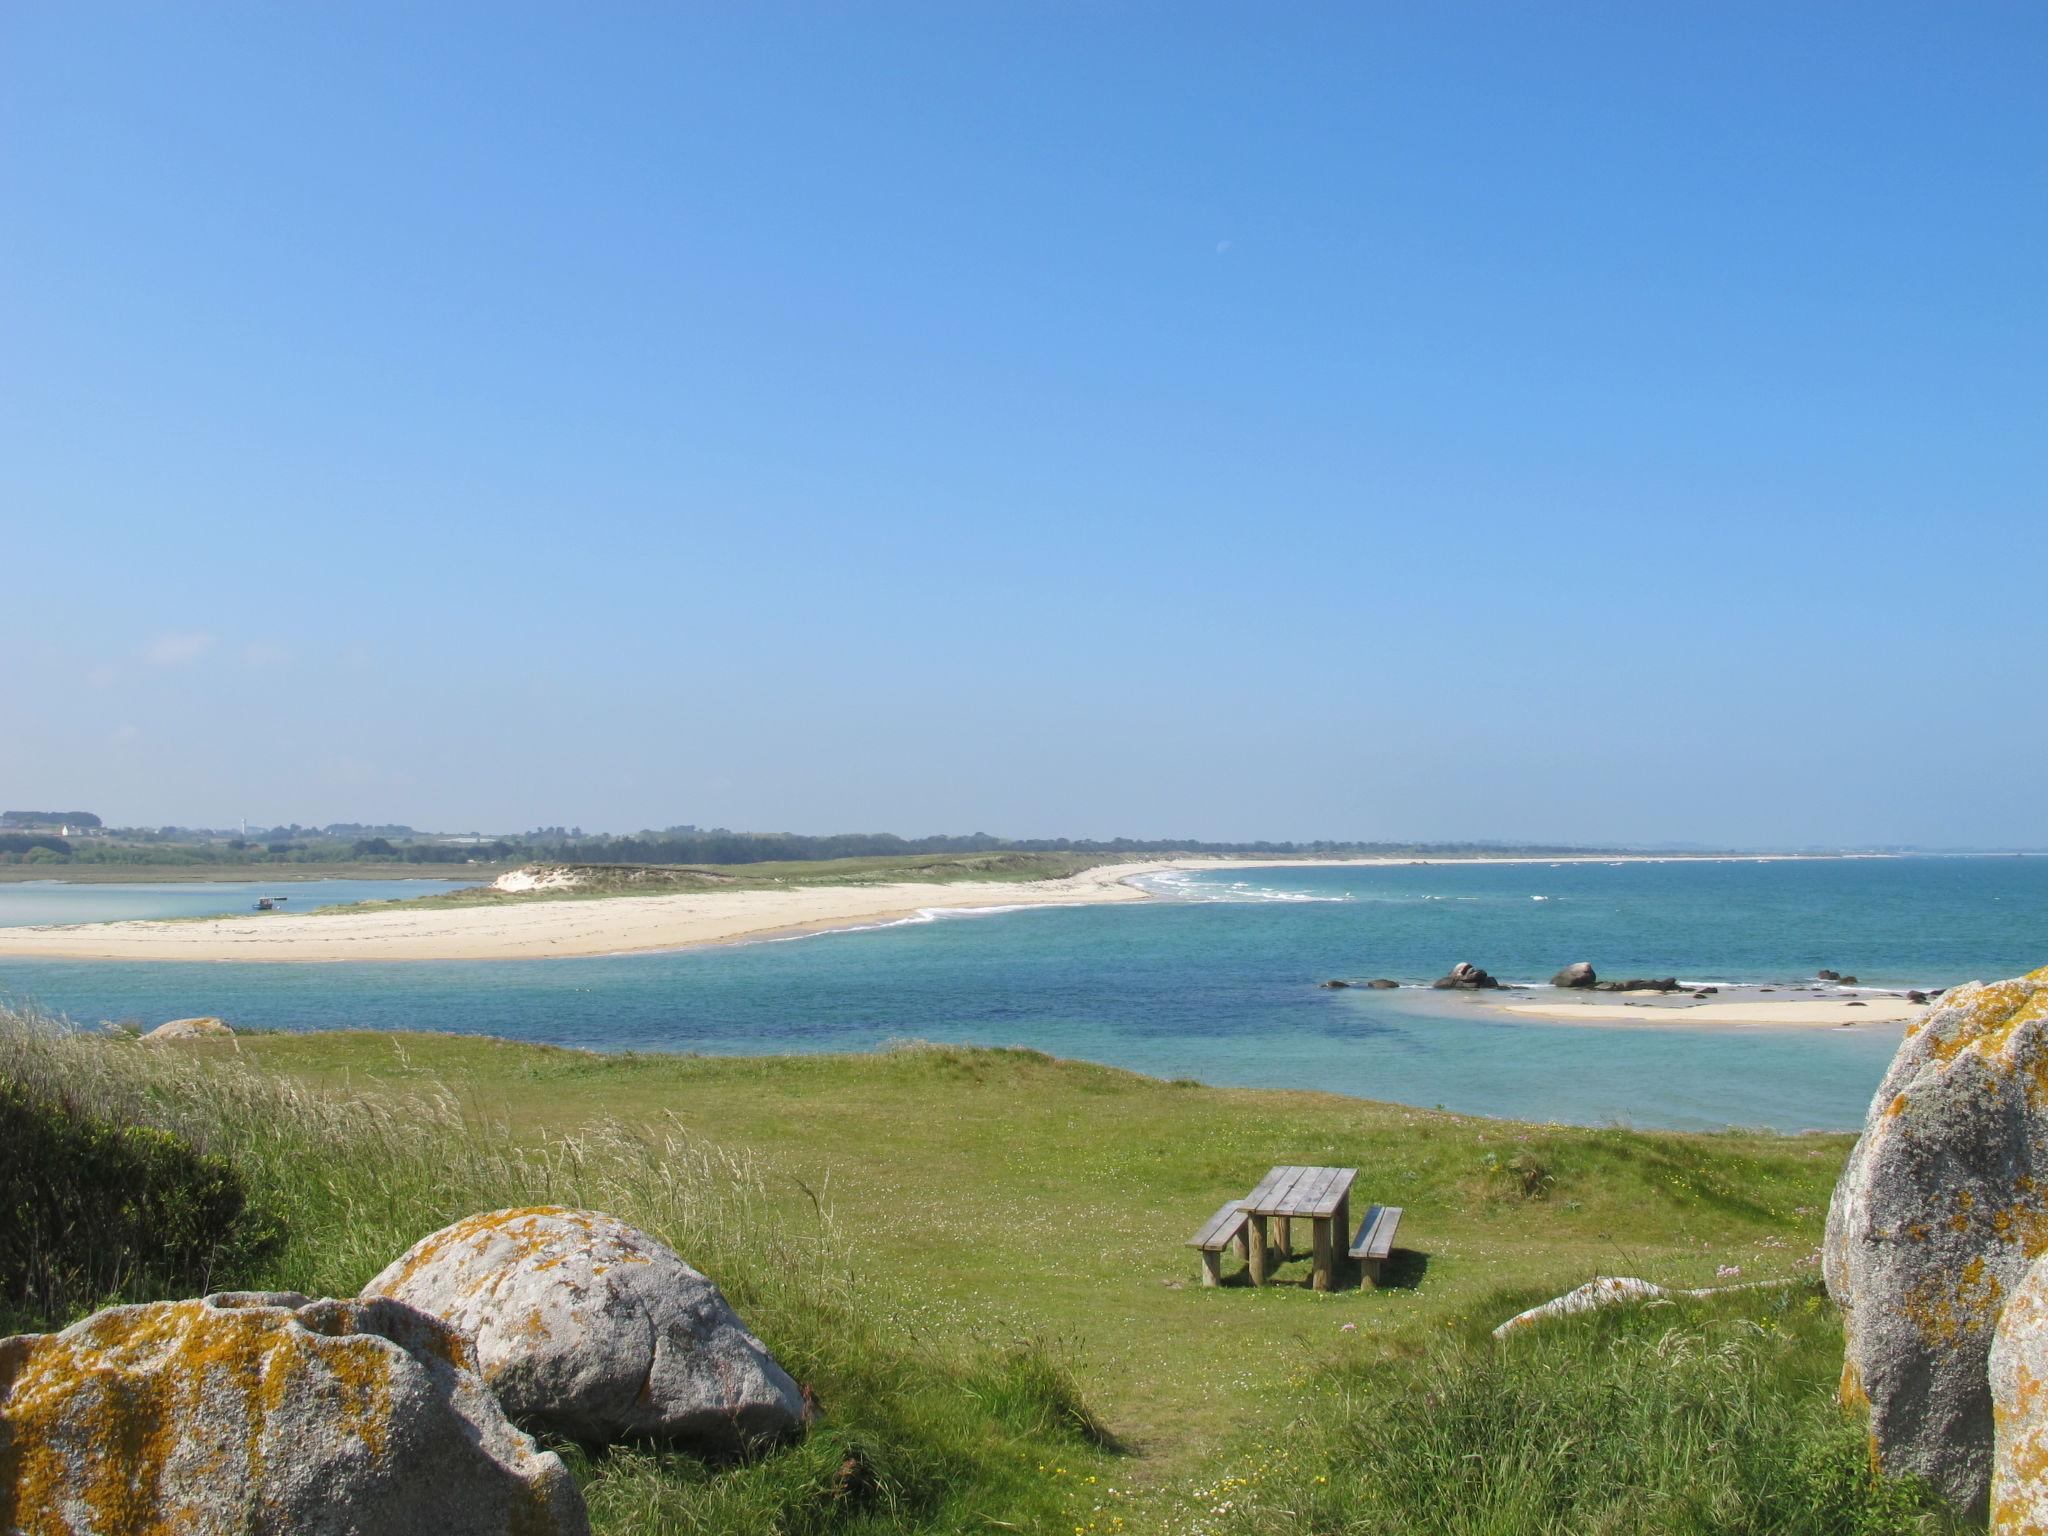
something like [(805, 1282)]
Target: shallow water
[(57, 901), (1219, 983)]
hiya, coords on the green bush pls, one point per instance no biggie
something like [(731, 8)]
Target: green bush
[(92, 1212)]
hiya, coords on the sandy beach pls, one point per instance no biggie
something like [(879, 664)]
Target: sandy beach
[(599, 926), (1786, 1010)]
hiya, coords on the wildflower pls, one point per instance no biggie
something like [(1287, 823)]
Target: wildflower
[(1349, 1328), (1729, 1271)]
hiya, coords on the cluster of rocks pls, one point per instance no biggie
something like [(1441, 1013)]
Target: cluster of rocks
[(404, 1410), (1937, 1252), (1465, 976), (1377, 984)]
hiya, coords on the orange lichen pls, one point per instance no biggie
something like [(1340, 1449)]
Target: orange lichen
[(136, 1403), (1946, 1309)]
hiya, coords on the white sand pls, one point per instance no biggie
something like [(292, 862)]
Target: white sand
[(1764, 1012), (618, 924)]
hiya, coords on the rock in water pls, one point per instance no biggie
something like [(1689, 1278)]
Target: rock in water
[(263, 1414), (1578, 974), (592, 1329), (2019, 1410), (1939, 1213), (1464, 975)]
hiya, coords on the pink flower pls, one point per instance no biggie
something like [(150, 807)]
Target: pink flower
[(1349, 1328), (1729, 1271)]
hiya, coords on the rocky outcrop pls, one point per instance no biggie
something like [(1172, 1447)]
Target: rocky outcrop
[(207, 1028), (595, 1330), (1641, 984), (265, 1413), (1334, 985), (1383, 984), (1466, 976), (1828, 975), (1578, 974), (1937, 1218), (2019, 1409)]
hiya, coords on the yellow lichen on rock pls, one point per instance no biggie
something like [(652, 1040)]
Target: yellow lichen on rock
[(204, 1416)]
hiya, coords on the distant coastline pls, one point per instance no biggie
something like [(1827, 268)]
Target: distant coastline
[(624, 924)]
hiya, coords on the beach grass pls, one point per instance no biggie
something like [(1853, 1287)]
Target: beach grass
[(599, 881), (974, 1259)]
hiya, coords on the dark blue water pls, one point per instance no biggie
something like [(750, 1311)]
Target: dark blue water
[(1218, 983)]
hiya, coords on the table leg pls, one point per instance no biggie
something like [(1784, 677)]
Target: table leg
[(1257, 1257), (1323, 1277), (1212, 1268), (1340, 1239), (1283, 1238)]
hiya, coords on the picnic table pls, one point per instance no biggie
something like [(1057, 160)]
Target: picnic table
[(1289, 1193), (1261, 1225)]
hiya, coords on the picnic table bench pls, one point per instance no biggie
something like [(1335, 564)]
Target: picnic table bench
[(1375, 1239), (1263, 1221)]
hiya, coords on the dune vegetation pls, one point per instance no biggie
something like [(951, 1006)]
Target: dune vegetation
[(973, 1258)]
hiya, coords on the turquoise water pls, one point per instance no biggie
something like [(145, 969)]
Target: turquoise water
[(56, 901), (1217, 982)]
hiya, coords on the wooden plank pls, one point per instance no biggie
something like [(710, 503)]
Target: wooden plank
[(1276, 1202), (1339, 1192), (1264, 1187), (1219, 1229), (1306, 1198), (1375, 1238), (1362, 1243)]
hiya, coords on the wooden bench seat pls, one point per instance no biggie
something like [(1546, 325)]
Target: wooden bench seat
[(1218, 1233), (1375, 1239)]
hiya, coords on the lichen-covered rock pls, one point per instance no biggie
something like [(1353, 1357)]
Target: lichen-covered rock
[(1938, 1215), (207, 1028), (265, 1415), (595, 1330), (1464, 976), (2019, 1410)]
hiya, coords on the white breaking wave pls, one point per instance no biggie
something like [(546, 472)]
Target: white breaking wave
[(1185, 885)]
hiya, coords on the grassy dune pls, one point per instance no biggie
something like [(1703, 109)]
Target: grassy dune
[(974, 1258), (607, 880)]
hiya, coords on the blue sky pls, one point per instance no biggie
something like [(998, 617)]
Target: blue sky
[(1590, 422)]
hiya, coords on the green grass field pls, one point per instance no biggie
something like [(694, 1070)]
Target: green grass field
[(975, 1258)]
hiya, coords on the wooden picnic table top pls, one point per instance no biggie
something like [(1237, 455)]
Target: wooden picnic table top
[(1298, 1191)]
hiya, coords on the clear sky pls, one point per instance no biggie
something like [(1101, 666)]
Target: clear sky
[(1591, 422)]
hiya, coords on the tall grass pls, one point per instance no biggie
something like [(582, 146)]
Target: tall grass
[(917, 1433), (1667, 1420)]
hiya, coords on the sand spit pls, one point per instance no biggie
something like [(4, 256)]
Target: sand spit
[(626, 924)]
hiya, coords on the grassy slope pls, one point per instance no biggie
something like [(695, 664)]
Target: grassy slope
[(1004, 1194)]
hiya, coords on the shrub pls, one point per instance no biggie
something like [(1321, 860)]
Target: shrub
[(92, 1211)]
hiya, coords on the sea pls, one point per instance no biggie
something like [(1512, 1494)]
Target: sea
[(1216, 979)]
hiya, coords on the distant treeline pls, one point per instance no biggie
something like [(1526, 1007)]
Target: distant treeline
[(674, 845), (722, 847), (48, 819)]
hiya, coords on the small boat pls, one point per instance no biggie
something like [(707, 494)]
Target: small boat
[(265, 904)]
